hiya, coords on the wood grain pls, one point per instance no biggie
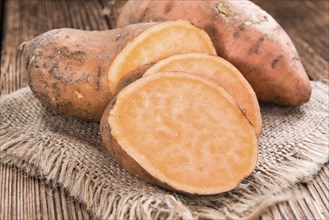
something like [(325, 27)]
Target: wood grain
[(25, 19), (24, 197)]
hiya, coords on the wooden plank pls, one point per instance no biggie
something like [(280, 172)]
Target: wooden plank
[(296, 210), (34, 201), (2, 16), (324, 180), (276, 213), (25, 197), (4, 191), (312, 205), (321, 204), (286, 211)]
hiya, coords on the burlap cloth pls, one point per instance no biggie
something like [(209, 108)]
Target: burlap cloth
[(69, 153)]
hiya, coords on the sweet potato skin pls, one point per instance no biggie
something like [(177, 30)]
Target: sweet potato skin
[(243, 34), (67, 68)]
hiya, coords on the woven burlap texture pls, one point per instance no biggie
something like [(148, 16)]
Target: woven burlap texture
[(69, 152)]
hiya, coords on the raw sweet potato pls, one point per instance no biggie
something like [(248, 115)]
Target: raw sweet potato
[(242, 33), (67, 69), (76, 72), (223, 73), (156, 43), (180, 131)]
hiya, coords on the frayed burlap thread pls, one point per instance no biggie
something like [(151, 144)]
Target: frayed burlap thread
[(69, 153)]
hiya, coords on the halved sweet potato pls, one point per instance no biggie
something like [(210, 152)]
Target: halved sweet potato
[(156, 43), (70, 70), (182, 132), (223, 73)]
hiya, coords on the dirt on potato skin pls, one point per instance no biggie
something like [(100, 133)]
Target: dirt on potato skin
[(67, 69)]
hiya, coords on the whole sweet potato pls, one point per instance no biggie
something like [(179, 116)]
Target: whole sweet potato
[(242, 33)]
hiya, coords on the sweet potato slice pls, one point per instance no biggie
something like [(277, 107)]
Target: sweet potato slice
[(158, 42), (182, 132), (223, 73)]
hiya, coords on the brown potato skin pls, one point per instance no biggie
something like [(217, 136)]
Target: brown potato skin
[(243, 34), (121, 156), (67, 69)]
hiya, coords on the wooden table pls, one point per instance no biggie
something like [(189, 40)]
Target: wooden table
[(25, 197)]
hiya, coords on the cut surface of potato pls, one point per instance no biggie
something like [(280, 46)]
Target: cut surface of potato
[(158, 42), (182, 132), (223, 73)]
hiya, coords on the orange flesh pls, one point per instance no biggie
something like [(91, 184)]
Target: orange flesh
[(223, 73), (158, 42), (185, 131)]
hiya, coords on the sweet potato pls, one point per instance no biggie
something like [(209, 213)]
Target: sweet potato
[(76, 72), (158, 42), (180, 131), (243, 34), (67, 68), (223, 73)]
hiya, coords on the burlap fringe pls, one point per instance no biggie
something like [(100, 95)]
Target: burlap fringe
[(59, 170), (78, 184)]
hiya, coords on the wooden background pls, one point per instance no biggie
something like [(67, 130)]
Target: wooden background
[(24, 197)]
